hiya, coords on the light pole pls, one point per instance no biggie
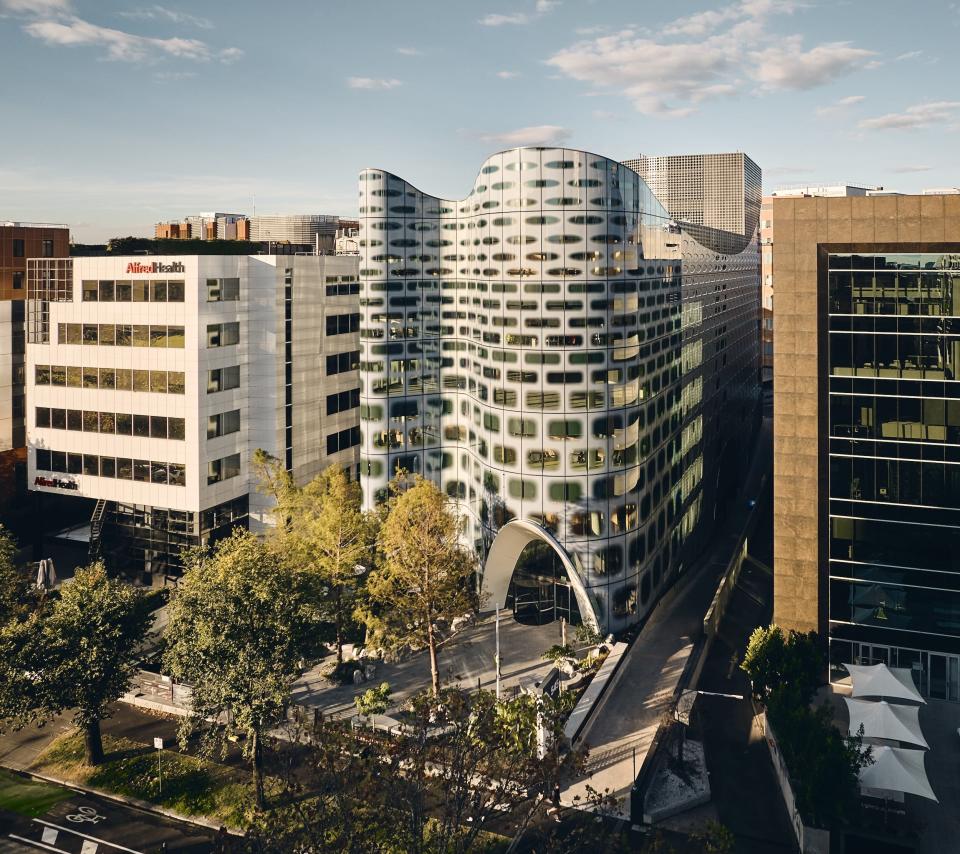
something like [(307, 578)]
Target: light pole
[(497, 656)]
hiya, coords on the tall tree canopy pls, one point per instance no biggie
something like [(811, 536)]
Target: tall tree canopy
[(237, 632), (424, 578), (78, 652)]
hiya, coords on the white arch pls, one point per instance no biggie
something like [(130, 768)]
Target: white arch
[(502, 561)]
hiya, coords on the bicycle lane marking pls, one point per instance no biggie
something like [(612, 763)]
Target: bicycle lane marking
[(96, 839), (35, 844)]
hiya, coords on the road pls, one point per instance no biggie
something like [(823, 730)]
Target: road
[(83, 824)]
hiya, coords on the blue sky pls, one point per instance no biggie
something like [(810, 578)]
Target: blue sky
[(117, 114)]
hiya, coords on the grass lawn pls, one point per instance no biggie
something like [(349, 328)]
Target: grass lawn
[(191, 786), (27, 797)]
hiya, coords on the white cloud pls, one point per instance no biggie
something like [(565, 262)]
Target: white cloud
[(373, 83), (35, 7), (535, 135), (711, 54), (162, 13), (541, 8), (173, 76), (788, 66), (53, 22), (915, 117), (908, 169), (498, 20), (507, 75), (839, 106), (409, 51), (119, 45), (913, 54)]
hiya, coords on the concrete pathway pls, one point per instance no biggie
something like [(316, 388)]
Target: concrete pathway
[(621, 734)]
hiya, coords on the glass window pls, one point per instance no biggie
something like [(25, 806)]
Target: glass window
[(43, 416), (124, 335), (158, 426), (158, 472), (90, 378), (141, 336), (141, 470), (176, 428), (158, 336), (108, 423), (141, 380), (177, 474), (89, 333), (141, 426), (42, 375), (159, 291), (74, 463), (91, 465), (106, 290), (108, 334), (141, 291), (124, 379), (58, 375), (175, 337), (158, 381), (124, 424), (89, 290), (125, 468), (108, 378), (123, 292), (108, 467), (74, 376), (175, 382), (75, 420), (175, 291)]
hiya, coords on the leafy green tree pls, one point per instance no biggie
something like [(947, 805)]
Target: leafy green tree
[(776, 661), (424, 577), (373, 701), (437, 787), (80, 653), (323, 533), (12, 586), (238, 627)]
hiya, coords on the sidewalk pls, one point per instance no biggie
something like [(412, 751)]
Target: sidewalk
[(623, 731)]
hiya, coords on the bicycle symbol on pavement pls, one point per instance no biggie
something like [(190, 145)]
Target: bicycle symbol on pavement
[(86, 814)]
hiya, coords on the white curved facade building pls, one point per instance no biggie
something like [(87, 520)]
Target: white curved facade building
[(567, 362)]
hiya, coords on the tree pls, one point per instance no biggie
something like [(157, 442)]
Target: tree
[(424, 577), (790, 663), (80, 653), (322, 532), (373, 701), (238, 627), (12, 585), (461, 762)]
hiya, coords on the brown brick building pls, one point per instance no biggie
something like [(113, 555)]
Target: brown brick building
[(18, 242), (867, 429)]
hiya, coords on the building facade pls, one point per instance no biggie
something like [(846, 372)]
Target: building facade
[(152, 381), (719, 191), (19, 241), (569, 364), (867, 430)]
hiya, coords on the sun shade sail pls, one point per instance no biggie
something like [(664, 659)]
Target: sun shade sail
[(880, 719), (879, 680), (896, 769)]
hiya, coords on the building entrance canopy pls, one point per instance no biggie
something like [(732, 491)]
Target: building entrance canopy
[(878, 680), (895, 769), (880, 719)]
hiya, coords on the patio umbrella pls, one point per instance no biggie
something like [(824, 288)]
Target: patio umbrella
[(896, 769), (878, 680), (880, 719), (41, 574)]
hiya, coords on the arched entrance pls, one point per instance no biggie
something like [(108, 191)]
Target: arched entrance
[(508, 547)]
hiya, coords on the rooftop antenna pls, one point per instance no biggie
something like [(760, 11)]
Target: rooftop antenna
[(254, 204)]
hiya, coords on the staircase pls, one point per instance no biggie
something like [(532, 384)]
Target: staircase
[(96, 529)]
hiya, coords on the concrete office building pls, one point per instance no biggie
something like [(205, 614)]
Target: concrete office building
[(153, 380), (867, 430), (719, 191), (19, 241), (566, 361)]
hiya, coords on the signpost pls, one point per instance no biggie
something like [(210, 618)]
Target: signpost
[(158, 743)]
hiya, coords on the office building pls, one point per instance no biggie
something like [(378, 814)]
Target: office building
[(205, 226), (569, 364), (719, 191), (766, 247), (19, 241), (867, 430), (153, 380)]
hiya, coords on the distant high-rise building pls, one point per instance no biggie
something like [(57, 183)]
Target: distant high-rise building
[(720, 191), (867, 440), (19, 241)]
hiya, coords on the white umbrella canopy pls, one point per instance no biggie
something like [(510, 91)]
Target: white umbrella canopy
[(881, 719), (896, 769), (878, 680)]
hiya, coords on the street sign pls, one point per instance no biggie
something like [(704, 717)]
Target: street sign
[(158, 743)]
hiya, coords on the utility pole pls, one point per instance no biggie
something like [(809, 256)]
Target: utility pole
[(497, 657)]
